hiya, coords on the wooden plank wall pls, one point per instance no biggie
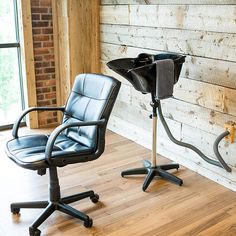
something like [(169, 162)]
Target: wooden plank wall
[(205, 96)]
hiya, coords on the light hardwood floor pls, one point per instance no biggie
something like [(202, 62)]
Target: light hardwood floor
[(199, 207)]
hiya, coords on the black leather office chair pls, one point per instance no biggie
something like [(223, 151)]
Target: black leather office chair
[(80, 138)]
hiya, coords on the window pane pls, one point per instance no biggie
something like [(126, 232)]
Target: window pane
[(10, 97), (7, 19)]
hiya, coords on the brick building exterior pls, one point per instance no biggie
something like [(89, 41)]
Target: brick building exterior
[(42, 27)]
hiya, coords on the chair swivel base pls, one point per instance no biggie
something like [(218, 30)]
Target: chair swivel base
[(60, 205), (56, 203), (160, 171)]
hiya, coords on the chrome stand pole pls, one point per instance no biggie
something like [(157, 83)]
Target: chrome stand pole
[(151, 169), (154, 141)]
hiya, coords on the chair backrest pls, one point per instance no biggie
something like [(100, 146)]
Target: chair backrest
[(92, 98)]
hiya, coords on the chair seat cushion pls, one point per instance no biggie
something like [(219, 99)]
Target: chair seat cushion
[(29, 151)]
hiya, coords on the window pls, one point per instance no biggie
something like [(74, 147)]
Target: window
[(11, 89)]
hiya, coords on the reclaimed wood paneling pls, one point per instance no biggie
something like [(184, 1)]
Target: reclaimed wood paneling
[(207, 95), (211, 17), (197, 43), (115, 14)]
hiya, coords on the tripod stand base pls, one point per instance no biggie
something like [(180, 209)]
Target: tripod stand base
[(151, 172)]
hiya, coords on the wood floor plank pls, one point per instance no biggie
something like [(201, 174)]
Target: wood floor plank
[(199, 207)]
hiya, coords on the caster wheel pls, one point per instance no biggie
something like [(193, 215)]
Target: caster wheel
[(122, 175), (181, 183), (15, 210), (88, 223), (35, 232), (95, 198)]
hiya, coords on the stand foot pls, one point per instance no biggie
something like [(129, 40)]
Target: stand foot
[(136, 171), (149, 179), (168, 176), (160, 171)]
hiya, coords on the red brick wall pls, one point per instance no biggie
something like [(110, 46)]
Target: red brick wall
[(42, 28)]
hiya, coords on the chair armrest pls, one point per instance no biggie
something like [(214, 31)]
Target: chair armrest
[(25, 112), (60, 128)]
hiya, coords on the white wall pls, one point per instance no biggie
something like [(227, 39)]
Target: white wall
[(205, 96)]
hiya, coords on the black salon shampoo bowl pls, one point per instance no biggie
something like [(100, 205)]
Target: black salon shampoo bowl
[(141, 71)]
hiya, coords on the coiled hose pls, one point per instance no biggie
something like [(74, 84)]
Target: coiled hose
[(220, 163)]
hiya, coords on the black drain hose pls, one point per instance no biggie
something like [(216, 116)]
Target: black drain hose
[(221, 163), (216, 150)]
